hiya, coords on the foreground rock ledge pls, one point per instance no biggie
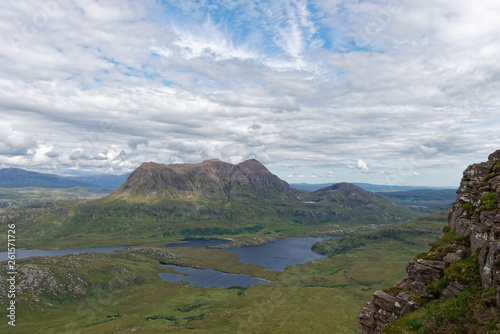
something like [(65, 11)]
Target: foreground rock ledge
[(476, 215)]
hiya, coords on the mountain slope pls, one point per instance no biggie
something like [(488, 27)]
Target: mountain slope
[(358, 203), (214, 198), (209, 180)]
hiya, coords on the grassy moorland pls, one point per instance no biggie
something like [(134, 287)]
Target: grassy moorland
[(122, 292)]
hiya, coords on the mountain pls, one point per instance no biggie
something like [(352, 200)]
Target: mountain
[(102, 180), (455, 287), (357, 202), (209, 180), (214, 198), (365, 186), (19, 178)]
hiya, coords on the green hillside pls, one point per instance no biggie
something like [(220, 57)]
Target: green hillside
[(212, 198), (122, 292)]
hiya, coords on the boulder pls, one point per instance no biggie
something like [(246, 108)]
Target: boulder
[(421, 273), (454, 257), (384, 301), (441, 265)]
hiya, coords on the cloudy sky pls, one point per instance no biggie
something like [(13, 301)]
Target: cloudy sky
[(381, 91)]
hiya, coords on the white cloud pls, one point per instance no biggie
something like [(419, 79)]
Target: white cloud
[(13, 142), (363, 166), (282, 81)]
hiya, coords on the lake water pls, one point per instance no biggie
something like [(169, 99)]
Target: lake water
[(276, 255), (209, 278), (198, 243), (279, 254), (24, 253)]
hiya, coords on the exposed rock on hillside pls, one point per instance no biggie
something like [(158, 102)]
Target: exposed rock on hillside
[(209, 180), (466, 257)]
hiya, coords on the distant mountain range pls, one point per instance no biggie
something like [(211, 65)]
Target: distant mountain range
[(216, 197), (20, 178)]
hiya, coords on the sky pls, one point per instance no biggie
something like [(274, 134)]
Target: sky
[(388, 92)]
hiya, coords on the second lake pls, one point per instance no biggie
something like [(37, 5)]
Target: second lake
[(276, 255)]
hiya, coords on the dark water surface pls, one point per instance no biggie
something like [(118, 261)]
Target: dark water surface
[(276, 255), (24, 253), (209, 278), (279, 254)]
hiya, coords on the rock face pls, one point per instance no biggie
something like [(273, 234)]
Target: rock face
[(209, 180), (474, 232)]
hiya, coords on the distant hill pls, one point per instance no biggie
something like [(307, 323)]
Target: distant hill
[(365, 186), (20, 178), (426, 200), (214, 198)]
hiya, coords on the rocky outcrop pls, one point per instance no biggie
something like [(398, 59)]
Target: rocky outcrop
[(473, 233)]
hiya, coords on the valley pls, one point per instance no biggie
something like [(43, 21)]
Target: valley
[(101, 293), (123, 291)]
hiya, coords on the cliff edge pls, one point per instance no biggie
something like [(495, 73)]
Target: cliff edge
[(455, 287)]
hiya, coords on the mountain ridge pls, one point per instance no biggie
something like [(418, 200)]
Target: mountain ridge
[(209, 179), (164, 200)]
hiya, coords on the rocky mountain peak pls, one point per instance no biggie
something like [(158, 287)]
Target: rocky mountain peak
[(210, 179), (471, 237)]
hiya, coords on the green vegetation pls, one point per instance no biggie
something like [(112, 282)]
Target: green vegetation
[(471, 311), (114, 220), (488, 202), (485, 179), (444, 246), (122, 291), (215, 231)]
